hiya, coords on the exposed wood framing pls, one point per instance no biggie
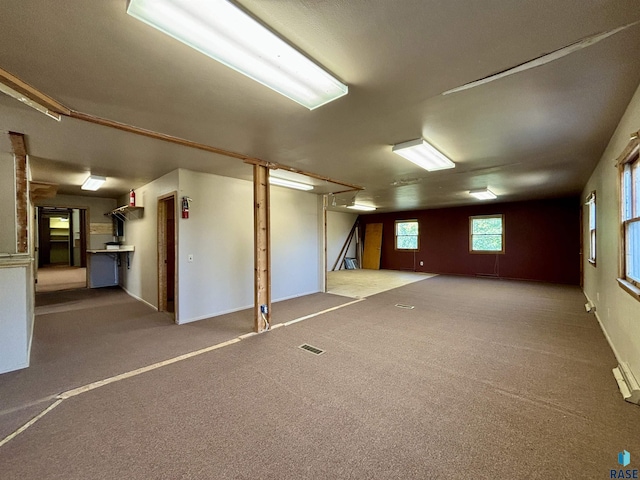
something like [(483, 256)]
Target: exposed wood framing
[(40, 190), (22, 191), (31, 93), (53, 105), (262, 249)]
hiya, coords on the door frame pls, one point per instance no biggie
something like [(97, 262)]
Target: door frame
[(85, 240), (162, 269)]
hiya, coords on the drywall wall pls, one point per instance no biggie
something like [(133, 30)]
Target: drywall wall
[(8, 204), (219, 236), (14, 317), (618, 311), (339, 225), (294, 243), (140, 279), (96, 207), (542, 241)]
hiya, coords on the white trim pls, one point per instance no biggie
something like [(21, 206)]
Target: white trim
[(138, 298)]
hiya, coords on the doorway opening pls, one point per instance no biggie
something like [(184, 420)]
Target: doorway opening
[(167, 246), (62, 249)]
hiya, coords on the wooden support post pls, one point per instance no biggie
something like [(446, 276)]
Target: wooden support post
[(262, 249), (22, 198)]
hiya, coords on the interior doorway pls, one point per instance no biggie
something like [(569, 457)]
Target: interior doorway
[(167, 247), (62, 248)]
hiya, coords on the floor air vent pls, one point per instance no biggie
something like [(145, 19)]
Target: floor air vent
[(309, 348), (408, 307)]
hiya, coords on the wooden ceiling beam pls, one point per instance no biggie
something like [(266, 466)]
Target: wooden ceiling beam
[(35, 95), (31, 93)]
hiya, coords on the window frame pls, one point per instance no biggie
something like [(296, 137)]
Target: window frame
[(629, 159), (395, 235), (471, 234), (592, 227)]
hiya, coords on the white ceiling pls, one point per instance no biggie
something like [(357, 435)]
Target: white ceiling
[(536, 134)]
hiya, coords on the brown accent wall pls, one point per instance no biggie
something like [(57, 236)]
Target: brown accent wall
[(542, 241)]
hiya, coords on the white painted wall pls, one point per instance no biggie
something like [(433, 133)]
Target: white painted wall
[(15, 317), (16, 279), (295, 240), (141, 279), (618, 312), (338, 227), (219, 235)]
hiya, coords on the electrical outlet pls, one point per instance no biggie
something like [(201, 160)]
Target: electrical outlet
[(598, 296), (264, 309), (190, 258), (421, 263)]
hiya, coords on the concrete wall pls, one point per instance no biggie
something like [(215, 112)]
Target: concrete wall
[(617, 311)]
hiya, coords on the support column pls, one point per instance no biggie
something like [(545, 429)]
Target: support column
[(262, 249), (22, 206)]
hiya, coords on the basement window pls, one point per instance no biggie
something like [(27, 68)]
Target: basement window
[(407, 235), (486, 234), (629, 169), (591, 217)]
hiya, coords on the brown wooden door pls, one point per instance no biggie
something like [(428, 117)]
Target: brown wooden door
[(372, 246)]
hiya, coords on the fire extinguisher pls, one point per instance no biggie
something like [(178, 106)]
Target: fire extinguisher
[(132, 198), (185, 207)]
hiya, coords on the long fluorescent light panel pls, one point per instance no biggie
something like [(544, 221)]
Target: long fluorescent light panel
[(423, 154), (93, 182), (364, 208), (225, 33), (290, 184), (483, 194)]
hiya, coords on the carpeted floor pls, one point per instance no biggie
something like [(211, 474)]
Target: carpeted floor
[(57, 278), (483, 378)]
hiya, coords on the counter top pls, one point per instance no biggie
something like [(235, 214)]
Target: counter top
[(122, 248)]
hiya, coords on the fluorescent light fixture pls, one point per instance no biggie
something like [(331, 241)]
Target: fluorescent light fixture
[(483, 194), (290, 184), (93, 182), (27, 101), (364, 208), (423, 154), (224, 32)]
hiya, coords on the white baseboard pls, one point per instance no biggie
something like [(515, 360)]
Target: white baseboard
[(627, 383), (138, 298)]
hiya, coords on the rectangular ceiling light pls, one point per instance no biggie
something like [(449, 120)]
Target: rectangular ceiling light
[(224, 32), (364, 208), (93, 182), (27, 101), (483, 194), (423, 154), (290, 184)]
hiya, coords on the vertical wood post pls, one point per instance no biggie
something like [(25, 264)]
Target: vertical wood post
[(22, 199), (262, 249)]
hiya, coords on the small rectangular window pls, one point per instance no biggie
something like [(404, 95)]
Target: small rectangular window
[(591, 212), (486, 234), (407, 235)]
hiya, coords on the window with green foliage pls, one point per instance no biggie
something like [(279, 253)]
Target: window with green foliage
[(407, 235), (486, 234)]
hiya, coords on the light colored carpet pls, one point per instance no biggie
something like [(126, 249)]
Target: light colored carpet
[(52, 279), (362, 283)]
